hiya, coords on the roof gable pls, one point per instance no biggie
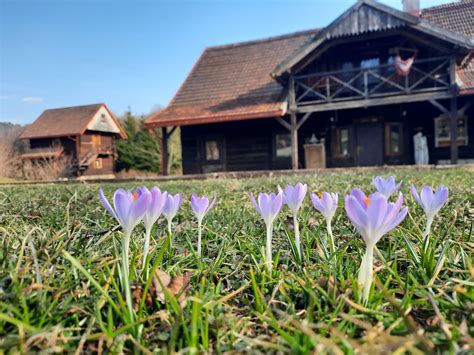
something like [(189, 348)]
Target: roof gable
[(67, 121), (370, 16)]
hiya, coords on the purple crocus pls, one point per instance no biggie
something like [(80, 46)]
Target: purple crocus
[(326, 203), (268, 205), (431, 202), (201, 206), (293, 196), (386, 187), (373, 216), (172, 204), (158, 200), (128, 210)]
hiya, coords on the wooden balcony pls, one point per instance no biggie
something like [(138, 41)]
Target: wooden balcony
[(376, 85)]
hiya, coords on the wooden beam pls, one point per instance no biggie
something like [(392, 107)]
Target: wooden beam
[(294, 141), (164, 151), (303, 120), (283, 123), (291, 93), (454, 111), (454, 130), (390, 100), (440, 107)]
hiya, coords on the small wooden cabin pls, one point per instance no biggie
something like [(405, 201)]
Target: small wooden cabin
[(83, 137), (361, 88)]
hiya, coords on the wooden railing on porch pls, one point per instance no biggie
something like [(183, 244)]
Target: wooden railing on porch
[(426, 75)]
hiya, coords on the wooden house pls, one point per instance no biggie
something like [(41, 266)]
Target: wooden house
[(362, 87), (84, 136)]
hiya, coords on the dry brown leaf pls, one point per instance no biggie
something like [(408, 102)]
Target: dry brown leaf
[(176, 285)]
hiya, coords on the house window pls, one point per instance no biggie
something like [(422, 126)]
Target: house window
[(443, 131), (212, 150), (283, 145), (393, 139), (341, 146), (98, 163)]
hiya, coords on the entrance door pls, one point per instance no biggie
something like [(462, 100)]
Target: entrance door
[(369, 144)]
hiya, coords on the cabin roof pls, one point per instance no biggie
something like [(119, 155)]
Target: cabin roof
[(234, 82), (66, 121)]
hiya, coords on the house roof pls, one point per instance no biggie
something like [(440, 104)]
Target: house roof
[(233, 82), (66, 121)]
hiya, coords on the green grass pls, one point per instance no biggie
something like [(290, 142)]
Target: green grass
[(59, 274)]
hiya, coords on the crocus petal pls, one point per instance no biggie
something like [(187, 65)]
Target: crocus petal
[(107, 205), (426, 196), (122, 203), (415, 195), (440, 198), (254, 203), (211, 205), (139, 207), (360, 197)]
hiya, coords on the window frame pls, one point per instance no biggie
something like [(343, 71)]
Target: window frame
[(220, 147), (101, 164), (388, 139), (275, 148), (337, 147), (446, 142)]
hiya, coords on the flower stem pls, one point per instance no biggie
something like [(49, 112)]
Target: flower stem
[(146, 248), (269, 248), (331, 237), (199, 237), (297, 236), (126, 274), (169, 234), (366, 272), (426, 234)]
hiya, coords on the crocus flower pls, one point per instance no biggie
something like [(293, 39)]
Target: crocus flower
[(386, 187), (128, 210), (201, 206), (430, 202), (373, 216), (326, 203), (268, 205), (172, 204), (293, 196), (157, 203)]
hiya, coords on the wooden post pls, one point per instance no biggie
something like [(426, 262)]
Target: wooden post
[(454, 112), (294, 142), (294, 123), (164, 151), (454, 129)]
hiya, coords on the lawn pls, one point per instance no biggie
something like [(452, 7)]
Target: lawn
[(59, 285)]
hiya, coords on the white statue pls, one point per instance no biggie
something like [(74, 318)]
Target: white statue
[(421, 149)]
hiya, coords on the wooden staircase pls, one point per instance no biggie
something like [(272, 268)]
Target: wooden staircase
[(87, 159)]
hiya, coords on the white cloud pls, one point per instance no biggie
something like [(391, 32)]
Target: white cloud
[(7, 97), (32, 99)]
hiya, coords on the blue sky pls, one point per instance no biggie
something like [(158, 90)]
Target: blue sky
[(56, 53)]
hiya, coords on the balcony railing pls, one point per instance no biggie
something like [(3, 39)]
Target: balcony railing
[(378, 81)]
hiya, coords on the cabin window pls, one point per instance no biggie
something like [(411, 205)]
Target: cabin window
[(212, 150), (341, 146), (393, 139), (283, 145), (98, 163), (443, 131)]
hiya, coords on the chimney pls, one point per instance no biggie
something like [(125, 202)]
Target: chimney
[(412, 7)]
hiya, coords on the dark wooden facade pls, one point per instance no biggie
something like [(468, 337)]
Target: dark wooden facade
[(251, 145)]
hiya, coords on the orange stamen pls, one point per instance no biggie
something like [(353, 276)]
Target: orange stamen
[(367, 202), (320, 194), (135, 196)]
